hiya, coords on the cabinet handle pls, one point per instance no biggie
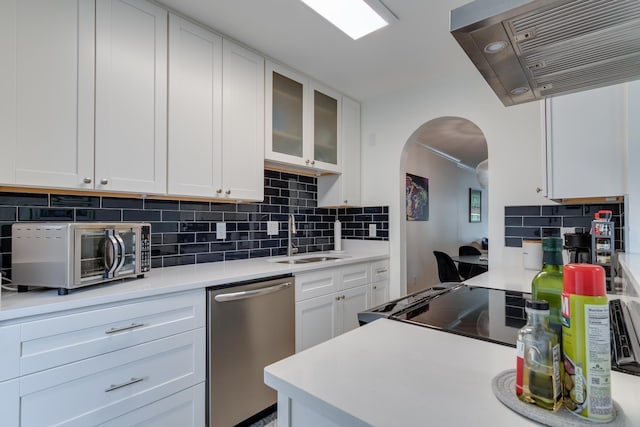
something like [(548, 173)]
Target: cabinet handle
[(227, 192), (538, 189), (307, 162), (313, 162), (219, 191), (342, 297), (345, 202), (133, 380), (338, 298), (87, 180), (375, 287), (124, 328), (381, 270), (104, 181)]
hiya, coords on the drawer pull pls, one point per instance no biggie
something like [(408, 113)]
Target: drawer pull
[(381, 270), (124, 328), (124, 384)]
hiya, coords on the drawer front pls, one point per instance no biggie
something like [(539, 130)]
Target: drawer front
[(10, 353), (64, 339), (355, 275), (95, 390), (317, 283), (185, 409), (380, 270)]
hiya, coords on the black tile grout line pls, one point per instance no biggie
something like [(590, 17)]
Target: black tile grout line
[(246, 223)]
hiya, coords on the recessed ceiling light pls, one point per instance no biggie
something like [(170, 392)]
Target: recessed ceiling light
[(356, 18), (495, 47), (519, 90)]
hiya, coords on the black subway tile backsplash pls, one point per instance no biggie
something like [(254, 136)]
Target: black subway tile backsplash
[(184, 232), (536, 222)]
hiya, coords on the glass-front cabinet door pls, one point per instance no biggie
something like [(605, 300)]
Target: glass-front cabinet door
[(302, 120)]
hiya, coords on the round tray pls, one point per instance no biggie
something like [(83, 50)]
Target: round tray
[(504, 386)]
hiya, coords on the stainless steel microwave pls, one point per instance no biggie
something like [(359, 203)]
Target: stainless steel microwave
[(72, 255)]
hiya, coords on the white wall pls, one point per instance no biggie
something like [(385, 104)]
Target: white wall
[(448, 226), (513, 136), (632, 208)]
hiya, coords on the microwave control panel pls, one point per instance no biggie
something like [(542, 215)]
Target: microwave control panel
[(145, 248)]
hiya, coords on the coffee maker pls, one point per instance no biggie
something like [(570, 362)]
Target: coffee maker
[(579, 247)]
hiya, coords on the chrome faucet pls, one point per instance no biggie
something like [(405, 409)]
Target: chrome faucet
[(291, 248)]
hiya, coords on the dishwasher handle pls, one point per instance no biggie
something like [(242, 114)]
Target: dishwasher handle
[(233, 296)]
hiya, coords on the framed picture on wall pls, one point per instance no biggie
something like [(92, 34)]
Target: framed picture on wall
[(417, 198), (475, 205)]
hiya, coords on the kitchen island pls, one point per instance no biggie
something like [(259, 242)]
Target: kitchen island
[(388, 373)]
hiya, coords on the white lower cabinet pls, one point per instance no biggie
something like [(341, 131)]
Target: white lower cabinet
[(185, 409), (379, 282), (328, 302), (112, 364)]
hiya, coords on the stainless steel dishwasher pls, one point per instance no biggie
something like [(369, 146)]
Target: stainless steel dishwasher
[(249, 326)]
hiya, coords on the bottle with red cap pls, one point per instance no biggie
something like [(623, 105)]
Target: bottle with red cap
[(586, 343)]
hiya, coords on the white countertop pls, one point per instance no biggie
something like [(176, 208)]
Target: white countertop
[(14, 305), (388, 373), (630, 264), (512, 279)]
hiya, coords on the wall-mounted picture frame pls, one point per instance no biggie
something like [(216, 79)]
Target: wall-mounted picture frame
[(417, 198), (475, 205)]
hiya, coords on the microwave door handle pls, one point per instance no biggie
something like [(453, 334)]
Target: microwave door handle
[(121, 251), (111, 254)]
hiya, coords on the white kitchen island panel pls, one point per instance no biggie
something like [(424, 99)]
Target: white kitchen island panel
[(394, 374)]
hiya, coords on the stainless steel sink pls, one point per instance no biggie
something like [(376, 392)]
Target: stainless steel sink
[(307, 260)]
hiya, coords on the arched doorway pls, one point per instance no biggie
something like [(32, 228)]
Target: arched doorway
[(445, 152)]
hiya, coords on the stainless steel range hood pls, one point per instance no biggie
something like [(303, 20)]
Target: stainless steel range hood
[(529, 50)]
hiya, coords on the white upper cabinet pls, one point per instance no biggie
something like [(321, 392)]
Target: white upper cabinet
[(131, 96), (585, 144), (303, 121), (216, 115), (195, 109), (242, 123), (344, 189), (46, 82)]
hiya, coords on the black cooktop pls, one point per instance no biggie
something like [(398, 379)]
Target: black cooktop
[(489, 314)]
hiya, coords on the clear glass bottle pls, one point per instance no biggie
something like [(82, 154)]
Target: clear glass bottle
[(538, 379), (547, 284)]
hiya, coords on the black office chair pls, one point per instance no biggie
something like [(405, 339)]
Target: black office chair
[(447, 271), (469, 270)]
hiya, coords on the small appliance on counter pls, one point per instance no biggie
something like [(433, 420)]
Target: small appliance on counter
[(72, 255), (579, 247)]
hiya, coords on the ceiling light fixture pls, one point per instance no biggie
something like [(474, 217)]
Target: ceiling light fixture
[(356, 18)]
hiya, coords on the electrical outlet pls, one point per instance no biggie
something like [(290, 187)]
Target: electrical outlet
[(272, 228), (221, 230), (373, 232)]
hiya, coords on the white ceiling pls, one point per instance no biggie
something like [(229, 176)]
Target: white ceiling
[(416, 47)]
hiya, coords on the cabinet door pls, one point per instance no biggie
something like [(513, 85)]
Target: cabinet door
[(286, 125), (131, 96), (344, 189), (585, 143), (10, 402), (186, 409), (352, 302), (195, 110), (379, 293), (325, 126), (46, 82), (316, 321), (242, 123)]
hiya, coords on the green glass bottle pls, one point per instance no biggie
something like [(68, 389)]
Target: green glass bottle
[(547, 285)]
